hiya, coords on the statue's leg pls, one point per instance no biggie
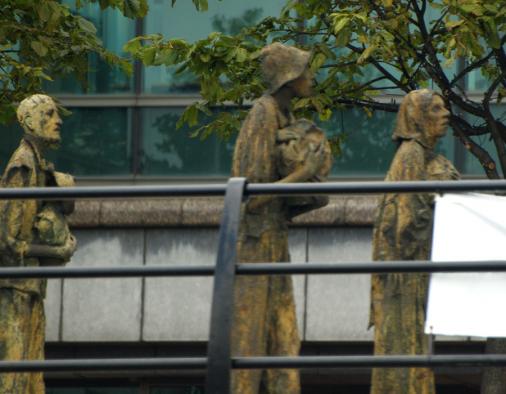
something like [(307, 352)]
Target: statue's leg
[(249, 326), (399, 316), (21, 338), (283, 334)]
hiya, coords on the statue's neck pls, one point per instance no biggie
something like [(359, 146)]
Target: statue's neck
[(284, 98)]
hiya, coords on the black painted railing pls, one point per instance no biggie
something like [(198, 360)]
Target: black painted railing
[(219, 362)]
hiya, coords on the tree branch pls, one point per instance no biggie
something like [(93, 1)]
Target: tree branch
[(470, 68), (477, 151)]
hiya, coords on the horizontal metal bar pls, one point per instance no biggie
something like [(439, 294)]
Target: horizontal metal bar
[(366, 267), (483, 360), (122, 364), (255, 269), (60, 193), (106, 272), (369, 361), (252, 189), (375, 187)]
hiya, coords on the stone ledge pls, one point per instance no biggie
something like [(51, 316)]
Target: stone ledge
[(206, 212)]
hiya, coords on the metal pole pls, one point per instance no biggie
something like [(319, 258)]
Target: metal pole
[(218, 349)]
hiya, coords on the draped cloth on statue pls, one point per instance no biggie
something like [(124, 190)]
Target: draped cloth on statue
[(264, 314)]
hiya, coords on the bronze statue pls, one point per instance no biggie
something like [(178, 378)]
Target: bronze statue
[(32, 233), (264, 316), (403, 231)]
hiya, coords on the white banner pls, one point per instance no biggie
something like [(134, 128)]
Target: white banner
[(470, 227)]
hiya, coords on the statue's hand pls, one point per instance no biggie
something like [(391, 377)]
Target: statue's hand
[(314, 159), (285, 135), (69, 248)]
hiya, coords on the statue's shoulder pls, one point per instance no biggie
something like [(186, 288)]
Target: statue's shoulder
[(264, 105), (23, 157)]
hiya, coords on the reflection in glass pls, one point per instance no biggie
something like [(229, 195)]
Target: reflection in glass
[(472, 166), (10, 137), (95, 142), (93, 390), (367, 148), (114, 30), (168, 151), (183, 21), (176, 390)]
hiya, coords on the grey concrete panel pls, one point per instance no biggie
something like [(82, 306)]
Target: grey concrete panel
[(104, 309), (338, 305), (297, 241), (52, 307), (178, 309)]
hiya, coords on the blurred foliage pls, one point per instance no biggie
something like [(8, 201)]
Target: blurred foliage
[(40, 40), (361, 48)]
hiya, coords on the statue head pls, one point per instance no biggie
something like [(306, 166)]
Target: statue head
[(39, 117), (423, 117), (282, 64)]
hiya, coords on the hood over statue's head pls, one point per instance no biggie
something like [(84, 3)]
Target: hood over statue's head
[(282, 64), (412, 117)]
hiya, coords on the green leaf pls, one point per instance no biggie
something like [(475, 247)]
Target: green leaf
[(86, 25), (241, 55), (148, 56), (39, 48)]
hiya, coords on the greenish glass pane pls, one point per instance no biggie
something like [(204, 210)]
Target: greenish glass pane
[(168, 151), (114, 30), (10, 137), (367, 147), (472, 165), (93, 390), (176, 390), (183, 21), (95, 142)]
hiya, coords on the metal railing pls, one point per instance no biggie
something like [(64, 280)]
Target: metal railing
[(219, 362)]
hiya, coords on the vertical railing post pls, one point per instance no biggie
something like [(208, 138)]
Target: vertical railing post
[(218, 349)]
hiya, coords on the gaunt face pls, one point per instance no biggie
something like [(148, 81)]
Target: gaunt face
[(438, 118), (46, 123), (303, 86)]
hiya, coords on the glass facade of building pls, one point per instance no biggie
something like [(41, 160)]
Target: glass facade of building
[(125, 127)]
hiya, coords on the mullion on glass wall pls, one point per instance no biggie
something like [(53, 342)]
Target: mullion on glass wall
[(136, 112)]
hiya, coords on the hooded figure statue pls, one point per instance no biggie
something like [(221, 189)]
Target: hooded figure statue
[(403, 231), (32, 233), (264, 313)]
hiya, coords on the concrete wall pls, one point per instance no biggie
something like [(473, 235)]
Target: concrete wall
[(329, 308)]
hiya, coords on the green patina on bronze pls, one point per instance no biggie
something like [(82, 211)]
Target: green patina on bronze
[(32, 233), (403, 231), (264, 314)]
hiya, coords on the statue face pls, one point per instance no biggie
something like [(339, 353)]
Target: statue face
[(46, 123), (303, 86), (438, 118)]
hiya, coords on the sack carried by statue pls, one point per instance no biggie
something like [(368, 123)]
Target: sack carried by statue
[(294, 142)]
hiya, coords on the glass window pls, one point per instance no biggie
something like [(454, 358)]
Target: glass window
[(367, 146), (11, 135), (168, 151), (176, 390), (114, 30), (472, 166), (95, 142), (184, 21), (93, 390)]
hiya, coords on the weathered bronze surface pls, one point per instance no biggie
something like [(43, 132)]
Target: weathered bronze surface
[(403, 231), (264, 315), (32, 233)]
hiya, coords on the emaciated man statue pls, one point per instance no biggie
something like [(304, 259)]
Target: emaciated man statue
[(32, 233), (403, 231), (264, 316)]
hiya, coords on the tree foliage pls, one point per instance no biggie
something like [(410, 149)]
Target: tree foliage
[(43, 39), (361, 49)]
